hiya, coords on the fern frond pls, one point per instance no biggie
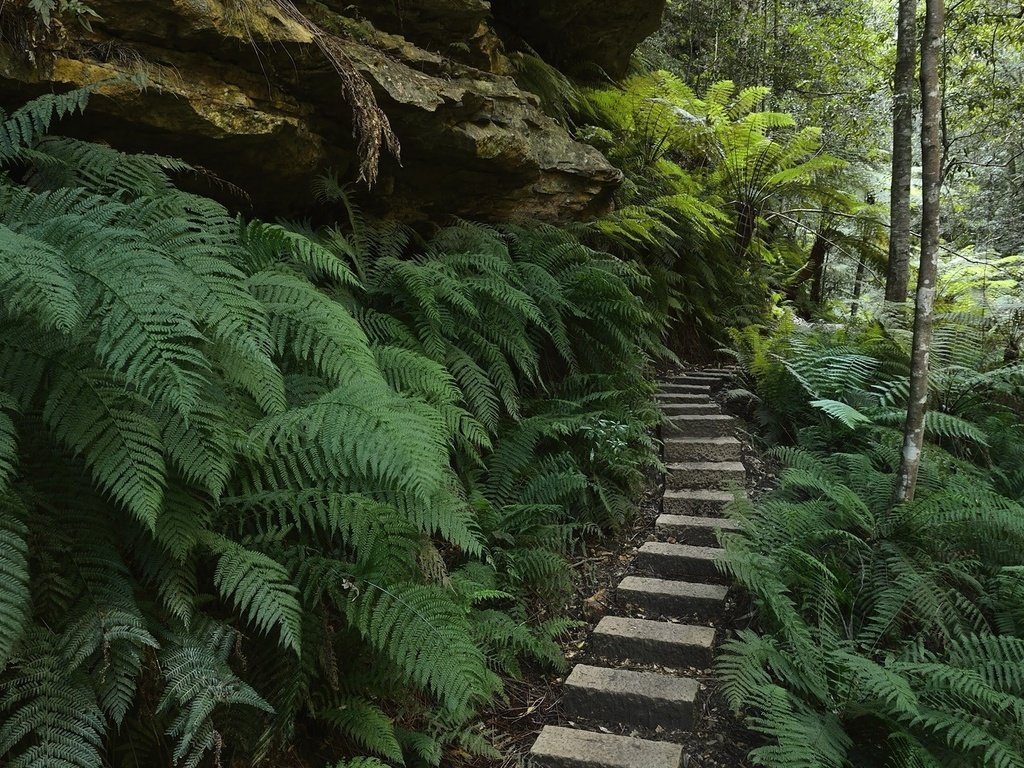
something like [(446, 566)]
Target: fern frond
[(259, 587), (53, 704), (14, 576), (367, 726), (426, 635), (199, 684), (95, 415), (24, 127)]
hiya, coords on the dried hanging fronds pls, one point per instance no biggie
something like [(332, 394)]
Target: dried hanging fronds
[(370, 126)]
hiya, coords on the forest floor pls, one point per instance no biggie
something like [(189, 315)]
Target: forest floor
[(719, 740)]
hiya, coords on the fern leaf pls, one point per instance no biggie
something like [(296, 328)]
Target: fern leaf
[(425, 635), (14, 576), (367, 726), (259, 587), (198, 683), (54, 705), (8, 442), (845, 414), (28, 124), (94, 415), (37, 282)]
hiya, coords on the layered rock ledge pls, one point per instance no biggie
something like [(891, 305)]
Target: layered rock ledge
[(238, 88)]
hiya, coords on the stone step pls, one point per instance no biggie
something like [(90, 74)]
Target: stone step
[(672, 598), (627, 697), (682, 397), (705, 474), (690, 529), (680, 561), (644, 641), (687, 389), (702, 379), (558, 747), (692, 501), (699, 425), (702, 449), (679, 409)]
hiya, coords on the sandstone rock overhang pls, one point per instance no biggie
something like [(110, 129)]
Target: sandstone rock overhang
[(241, 90)]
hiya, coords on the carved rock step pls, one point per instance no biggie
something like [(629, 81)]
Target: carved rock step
[(680, 389), (680, 561), (704, 379), (631, 698), (682, 397), (693, 501), (672, 598), (653, 642), (702, 449), (679, 409), (699, 425), (705, 474), (698, 531), (558, 747)]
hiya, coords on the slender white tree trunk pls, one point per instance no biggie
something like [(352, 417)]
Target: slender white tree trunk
[(931, 161)]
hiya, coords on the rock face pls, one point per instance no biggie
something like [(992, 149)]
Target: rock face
[(583, 36), (240, 88)]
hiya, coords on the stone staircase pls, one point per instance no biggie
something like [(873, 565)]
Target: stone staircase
[(647, 680)]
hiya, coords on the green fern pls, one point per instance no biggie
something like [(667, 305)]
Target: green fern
[(874, 613), (255, 475), (14, 576), (367, 726)]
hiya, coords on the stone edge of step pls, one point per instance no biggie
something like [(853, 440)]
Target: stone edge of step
[(560, 747)]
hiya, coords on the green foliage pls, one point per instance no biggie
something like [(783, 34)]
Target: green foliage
[(889, 635), (878, 625), (828, 66), (844, 387), (255, 477), (722, 200)]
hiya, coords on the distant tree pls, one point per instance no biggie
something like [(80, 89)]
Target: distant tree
[(898, 274)]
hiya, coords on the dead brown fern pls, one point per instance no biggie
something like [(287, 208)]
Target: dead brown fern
[(370, 125)]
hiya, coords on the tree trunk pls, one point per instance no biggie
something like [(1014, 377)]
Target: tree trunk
[(813, 271), (858, 286), (819, 255), (931, 161), (898, 273), (746, 226)]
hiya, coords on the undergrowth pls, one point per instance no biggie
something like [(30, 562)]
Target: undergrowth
[(888, 635), (267, 490)]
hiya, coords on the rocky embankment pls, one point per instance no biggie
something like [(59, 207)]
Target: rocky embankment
[(240, 88)]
